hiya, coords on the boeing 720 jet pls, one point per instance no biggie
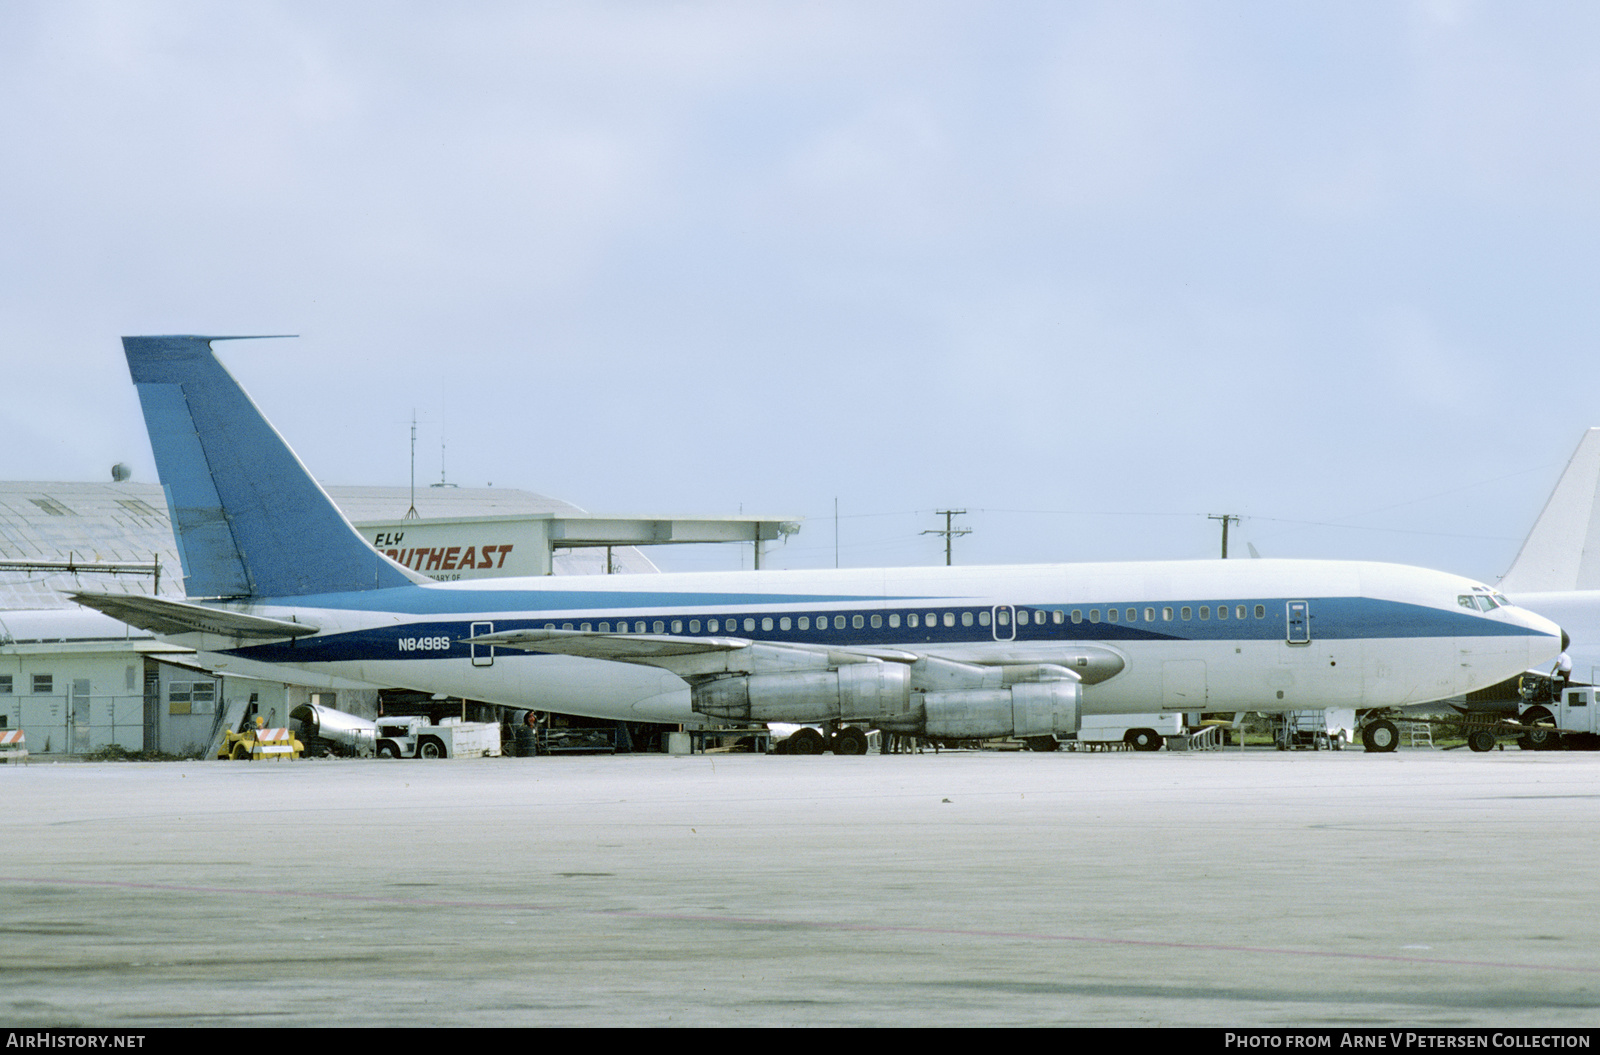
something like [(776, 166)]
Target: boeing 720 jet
[(275, 574)]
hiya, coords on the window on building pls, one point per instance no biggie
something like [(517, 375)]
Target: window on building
[(192, 697), (5, 685), (44, 684)]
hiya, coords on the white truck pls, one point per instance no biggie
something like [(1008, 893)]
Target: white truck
[(1566, 719), (414, 737)]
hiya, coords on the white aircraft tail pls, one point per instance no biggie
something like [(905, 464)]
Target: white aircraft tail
[(1562, 552)]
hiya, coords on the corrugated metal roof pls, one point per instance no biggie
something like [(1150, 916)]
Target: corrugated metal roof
[(127, 522)]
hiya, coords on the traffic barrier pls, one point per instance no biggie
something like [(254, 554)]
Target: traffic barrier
[(260, 743), (13, 746)]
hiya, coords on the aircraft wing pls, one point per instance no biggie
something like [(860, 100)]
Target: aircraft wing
[(161, 616), (700, 657), (685, 656)]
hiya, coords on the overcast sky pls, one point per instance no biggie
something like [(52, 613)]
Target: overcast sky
[(1089, 270)]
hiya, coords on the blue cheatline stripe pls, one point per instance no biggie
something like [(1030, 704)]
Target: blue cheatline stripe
[(1332, 619)]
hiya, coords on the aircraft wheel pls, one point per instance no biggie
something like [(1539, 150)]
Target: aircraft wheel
[(1043, 743), (1380, 736), (1143, 739), (430, 749), (806, 741), (1481, 740), (850, 741)]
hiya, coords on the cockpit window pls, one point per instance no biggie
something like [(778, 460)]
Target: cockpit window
[(1483, 602), (1465, 601)]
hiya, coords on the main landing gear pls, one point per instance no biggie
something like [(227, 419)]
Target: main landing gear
[(850, 740)]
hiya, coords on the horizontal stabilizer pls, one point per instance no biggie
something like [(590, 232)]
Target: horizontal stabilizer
[(161, 616)]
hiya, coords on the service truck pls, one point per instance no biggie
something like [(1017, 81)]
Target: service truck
[(1559, 716), (416, 737)]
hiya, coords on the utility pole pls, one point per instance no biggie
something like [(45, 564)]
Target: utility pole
[(1225, 518), (949, 532)]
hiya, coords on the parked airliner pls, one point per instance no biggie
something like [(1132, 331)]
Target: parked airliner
[(1557, 571), (275, 574)]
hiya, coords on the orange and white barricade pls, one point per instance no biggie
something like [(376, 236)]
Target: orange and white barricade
[(275, 743), (13, 745)]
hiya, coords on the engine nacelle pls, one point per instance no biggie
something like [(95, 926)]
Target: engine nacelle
[(1042, 708), (851, 692)]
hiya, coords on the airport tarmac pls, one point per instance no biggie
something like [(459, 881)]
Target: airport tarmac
[(1421, 888)]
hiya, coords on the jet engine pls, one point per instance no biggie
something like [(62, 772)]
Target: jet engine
[(852, 692)]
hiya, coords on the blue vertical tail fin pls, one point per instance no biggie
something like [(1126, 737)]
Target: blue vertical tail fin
[(249, 519)]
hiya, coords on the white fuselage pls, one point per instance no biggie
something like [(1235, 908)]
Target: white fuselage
[(1266, 635)]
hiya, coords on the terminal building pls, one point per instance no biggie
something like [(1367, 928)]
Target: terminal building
[(76, 681)]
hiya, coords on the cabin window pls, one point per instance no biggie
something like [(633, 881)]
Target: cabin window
[(660, 627), (1205, 611), (1238, 612), (584, 627), (932, 619), (1077, 615), (1056, 616), (749, 623), (1261, 611), (783, 624), (894, 620), (1222, 611), (966, 618), (1149, 615), (804, 622), (677, 626), (1166, 615), (857, 622), (983, 617), (1094, 615), (913, 620), (949, 619), (1022, 617), (694, 626), (877, 621), (838, 622), (766, 622), (1188, 613), (1113, 615)]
